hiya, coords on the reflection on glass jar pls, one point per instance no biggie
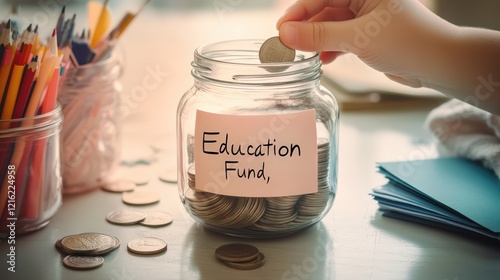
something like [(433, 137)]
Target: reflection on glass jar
[(30, 193), (257, 143), (90, 96)]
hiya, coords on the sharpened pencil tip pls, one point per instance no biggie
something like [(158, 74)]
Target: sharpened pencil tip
[(63, 10), (36, 29), (54, 32), (29, 27), (8, 24)]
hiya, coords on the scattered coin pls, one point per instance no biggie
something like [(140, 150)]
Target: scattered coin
[(147, 246), (273, 51), (126, 217), (156, 219), (240, 256), (85, 243), (140, 197), (119, 186), (83, 262), (237, 252), (253, 264), (138, 174), (169, 175)]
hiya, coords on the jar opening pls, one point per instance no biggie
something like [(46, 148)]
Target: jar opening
[(32, 125), (238, 62)]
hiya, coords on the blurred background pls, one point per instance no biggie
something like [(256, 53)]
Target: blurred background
[(482, 13)]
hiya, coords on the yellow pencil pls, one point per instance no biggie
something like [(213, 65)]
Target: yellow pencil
[(102, 25), (8, 58), (10, 98)]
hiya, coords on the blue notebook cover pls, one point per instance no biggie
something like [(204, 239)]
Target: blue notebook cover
[(454, 192)]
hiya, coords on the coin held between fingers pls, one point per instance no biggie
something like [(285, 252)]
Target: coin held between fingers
[(274, 51)]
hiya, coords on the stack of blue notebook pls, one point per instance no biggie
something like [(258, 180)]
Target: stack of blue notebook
[(450, 193)]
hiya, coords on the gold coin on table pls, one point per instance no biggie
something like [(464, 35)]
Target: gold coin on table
[(147, 246), (156, 219), (253, 264), (83, 262), (86, 242), (140, 197), (237, 252), (126, 217), (119, 186), (273, 51)]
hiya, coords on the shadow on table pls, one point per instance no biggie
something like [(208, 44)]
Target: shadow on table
[(443, 254), (303, 255)]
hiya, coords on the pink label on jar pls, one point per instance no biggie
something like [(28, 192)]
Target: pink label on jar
[(256, 155)]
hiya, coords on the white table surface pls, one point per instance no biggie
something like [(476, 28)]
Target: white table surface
[(352, 242)]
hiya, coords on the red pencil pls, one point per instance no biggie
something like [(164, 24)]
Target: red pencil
[(24, 91)]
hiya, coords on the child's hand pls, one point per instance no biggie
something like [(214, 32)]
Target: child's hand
[(404, 40), (392, 36)]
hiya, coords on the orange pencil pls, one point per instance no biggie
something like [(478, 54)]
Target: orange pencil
[(33, 191), (49, 102), (47, 67)]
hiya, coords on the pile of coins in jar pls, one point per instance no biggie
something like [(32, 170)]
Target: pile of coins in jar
[(267, 214)]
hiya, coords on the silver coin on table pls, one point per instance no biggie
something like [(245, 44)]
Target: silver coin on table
[(119, 186), (253, 264), (147, 245), (140, 197), (236, 252), (273, 51), (86, 242), (83, 262), (157, 219), (169, 175), (126, 217)]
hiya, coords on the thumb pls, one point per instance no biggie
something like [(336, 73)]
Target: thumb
[(323, 36)]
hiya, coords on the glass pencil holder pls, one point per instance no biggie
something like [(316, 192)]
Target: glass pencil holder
[(90, 137), (30, 193), (257, 143)]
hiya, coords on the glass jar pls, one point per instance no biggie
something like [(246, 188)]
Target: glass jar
[(30, 194), (91, 146), (257, 143)]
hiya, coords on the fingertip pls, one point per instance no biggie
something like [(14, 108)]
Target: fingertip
[(295, 12), (328, 56), (288, 33)]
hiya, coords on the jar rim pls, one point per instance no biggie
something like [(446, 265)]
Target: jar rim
[(237, 62), (201, 50), (41, 121)]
